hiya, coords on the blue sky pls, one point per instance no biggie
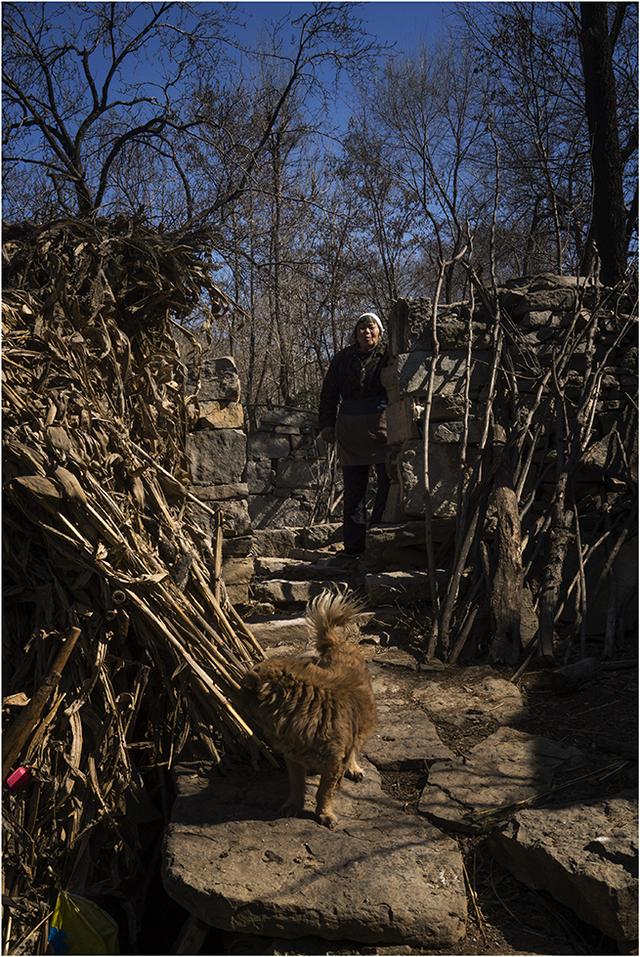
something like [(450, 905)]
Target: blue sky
[(405, 23), (404, 26)]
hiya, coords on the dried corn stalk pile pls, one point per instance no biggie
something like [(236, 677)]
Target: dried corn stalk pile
[(98, 536)]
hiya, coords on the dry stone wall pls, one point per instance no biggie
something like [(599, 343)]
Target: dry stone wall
[(217, 452), (284, 471), (539, 309)]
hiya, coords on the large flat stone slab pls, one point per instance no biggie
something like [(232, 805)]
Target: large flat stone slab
[(481, 695), (406, 738), (506, 767), (381, 877), (586, 856)]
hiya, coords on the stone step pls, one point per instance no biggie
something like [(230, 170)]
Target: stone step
[(381, 877), (280, 542), (290, 569), (281, 591), (397, 588)]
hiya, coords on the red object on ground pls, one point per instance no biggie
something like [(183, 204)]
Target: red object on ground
[(18, 778)]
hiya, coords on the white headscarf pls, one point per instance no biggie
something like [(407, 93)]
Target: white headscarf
[(376, 319)]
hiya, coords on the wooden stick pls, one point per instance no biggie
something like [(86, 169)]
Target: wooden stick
[(17, 735)]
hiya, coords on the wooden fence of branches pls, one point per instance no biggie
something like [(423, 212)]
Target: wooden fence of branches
[(120, 651), (547, 498)]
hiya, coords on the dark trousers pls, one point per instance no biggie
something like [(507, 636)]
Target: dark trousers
[(356, 479)]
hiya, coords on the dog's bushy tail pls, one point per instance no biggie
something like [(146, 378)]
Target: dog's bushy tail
[(329, 612)]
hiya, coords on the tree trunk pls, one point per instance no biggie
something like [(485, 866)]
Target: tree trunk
[(608, 218), (505, 598)]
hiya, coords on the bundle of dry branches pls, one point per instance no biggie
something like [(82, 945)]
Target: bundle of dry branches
[(99, 549), (534, 514)]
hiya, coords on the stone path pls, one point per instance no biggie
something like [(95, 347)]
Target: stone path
[(388, 877), (382, 876)]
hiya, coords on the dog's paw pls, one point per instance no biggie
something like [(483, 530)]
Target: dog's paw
[(327, 819), (354, 774), (290, 809)]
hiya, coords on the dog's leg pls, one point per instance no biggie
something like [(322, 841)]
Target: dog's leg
[(353, 771), (294, 805), (329, 784)]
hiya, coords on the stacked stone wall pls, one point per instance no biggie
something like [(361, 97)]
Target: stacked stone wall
[(285, 475), (539, 309), (217, 452)]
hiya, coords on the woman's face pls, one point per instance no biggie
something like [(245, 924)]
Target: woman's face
[(367, 335)]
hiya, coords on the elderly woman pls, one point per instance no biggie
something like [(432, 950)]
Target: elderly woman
[(352, 413)]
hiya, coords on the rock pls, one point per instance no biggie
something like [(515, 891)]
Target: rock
[(235, 519), (266, 445), (220, 415), (519, 302), (397, 658), (217, 456), (585, 856), (382, 876), (444, 473), (296, 473), (296, 419), (289, 631), (275, 541), (406, 739), (506, 767), (278, 511), (318, 536), (404, 419), (237, 547), (238, 592), (260, 475), (408, 373), (480, 696), (219, 381), (401, 587), (237, 570), (292, 570), (222, 493), (282, 592)]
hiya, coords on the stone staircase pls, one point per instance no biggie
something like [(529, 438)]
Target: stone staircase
[(288, 573)]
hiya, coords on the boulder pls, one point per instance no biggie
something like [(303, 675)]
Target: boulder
[(382, 876), (585, 856)]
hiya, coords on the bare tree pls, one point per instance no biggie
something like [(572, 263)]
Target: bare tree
[(609, 216)]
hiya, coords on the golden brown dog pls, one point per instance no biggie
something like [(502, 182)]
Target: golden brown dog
[(316, 712)]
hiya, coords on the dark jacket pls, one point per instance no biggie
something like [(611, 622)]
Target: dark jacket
[(353, 399), (351, 375)]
